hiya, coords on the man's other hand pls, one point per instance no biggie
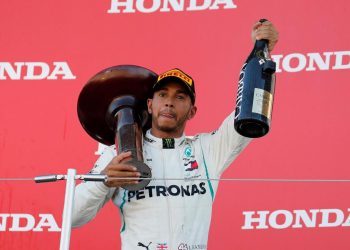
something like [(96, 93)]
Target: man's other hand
[(265, 30)]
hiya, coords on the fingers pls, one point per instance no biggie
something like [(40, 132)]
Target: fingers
[(121, 157), (265, 30), (119, 172), (254, 30), (256, 25), (120, 176)]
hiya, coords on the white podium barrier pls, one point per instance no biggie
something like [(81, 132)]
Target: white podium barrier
[(68, 210), (71, 176), (68, 199)]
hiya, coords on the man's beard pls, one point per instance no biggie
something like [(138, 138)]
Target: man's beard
[(171, 128)]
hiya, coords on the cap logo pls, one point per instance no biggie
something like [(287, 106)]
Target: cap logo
[(176, 73)]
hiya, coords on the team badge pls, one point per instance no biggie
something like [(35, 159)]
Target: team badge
[(188, 152)]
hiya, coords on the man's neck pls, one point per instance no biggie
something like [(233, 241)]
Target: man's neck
[(164, 134)]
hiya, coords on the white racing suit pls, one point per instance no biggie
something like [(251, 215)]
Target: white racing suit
[(167, 214)]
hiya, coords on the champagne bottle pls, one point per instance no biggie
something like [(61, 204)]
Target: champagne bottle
[(255, 92)]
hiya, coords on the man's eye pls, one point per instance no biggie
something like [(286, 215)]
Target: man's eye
[(161, 94), (181, 97)]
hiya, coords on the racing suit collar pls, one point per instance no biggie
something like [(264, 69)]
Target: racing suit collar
[(168, 143)]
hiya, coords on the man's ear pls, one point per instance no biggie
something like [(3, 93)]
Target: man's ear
[(149, 105), (192, 112)]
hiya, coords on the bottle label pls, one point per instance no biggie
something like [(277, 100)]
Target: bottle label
[(262, 102)]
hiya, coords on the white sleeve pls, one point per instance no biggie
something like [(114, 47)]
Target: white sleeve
[(90, 197), (221, 147)]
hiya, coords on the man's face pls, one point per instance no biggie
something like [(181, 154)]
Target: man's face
[(170, 108)]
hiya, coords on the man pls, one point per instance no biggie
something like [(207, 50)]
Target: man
[(174, 210)]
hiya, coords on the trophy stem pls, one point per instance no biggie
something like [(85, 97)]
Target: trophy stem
[(128, 133), (124, 118)]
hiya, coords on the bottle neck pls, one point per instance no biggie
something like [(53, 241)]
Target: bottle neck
[(260, 50), (261, 44)]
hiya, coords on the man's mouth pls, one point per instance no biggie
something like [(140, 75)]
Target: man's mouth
[(168, 115)]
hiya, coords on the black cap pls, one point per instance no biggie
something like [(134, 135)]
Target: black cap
[(179, 76)]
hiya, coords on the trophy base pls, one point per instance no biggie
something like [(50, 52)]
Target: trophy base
[(145, 173)]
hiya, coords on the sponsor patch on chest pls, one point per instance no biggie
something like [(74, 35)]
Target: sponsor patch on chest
[(191, 165)]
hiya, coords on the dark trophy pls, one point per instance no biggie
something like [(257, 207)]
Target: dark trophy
[(255, 92), (112, 108)]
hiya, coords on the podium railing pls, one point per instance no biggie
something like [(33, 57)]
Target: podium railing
[(71, 178), (68, 199)]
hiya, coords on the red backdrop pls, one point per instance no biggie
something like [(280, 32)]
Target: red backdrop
[(49, 50)]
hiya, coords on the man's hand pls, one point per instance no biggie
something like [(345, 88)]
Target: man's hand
[(265, 30), (118, 169)]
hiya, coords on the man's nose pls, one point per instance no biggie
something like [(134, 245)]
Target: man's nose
[(169, 102)]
